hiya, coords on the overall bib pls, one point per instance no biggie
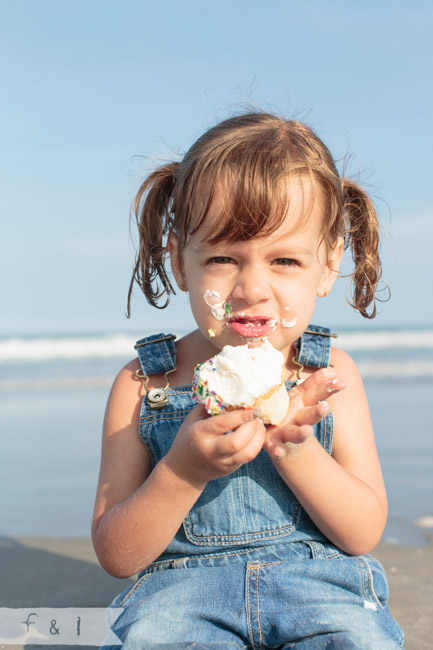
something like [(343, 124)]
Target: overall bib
[(248, 568)]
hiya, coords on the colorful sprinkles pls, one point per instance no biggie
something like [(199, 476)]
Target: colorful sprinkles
[(210, 399)]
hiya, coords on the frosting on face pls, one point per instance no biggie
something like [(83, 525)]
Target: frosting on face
[(219, 308), (289, 323)]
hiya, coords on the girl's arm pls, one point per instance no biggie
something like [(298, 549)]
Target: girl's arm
[(130, 500), (138, 510), (344, 494)]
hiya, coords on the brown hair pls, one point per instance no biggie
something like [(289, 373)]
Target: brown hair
[(252, 155)]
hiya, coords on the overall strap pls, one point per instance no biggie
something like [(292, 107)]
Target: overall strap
[(157, 353), (314, 347)]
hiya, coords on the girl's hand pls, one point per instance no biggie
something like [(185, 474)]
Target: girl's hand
[(207, 447), (307, 406)]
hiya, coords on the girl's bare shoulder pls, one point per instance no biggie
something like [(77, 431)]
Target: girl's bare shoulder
[(349, 406), (352, 423), (344, 365), (124, 402), (128, 378)]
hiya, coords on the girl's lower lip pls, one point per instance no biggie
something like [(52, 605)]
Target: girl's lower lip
[(253, 328)]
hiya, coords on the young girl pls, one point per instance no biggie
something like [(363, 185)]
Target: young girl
[(246, 536)]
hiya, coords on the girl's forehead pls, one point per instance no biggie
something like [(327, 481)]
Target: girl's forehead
[(298, 229), (296, 201)]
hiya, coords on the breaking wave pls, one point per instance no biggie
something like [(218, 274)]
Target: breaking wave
[(106, 346)]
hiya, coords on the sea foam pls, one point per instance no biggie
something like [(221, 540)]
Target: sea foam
[(120, 344)]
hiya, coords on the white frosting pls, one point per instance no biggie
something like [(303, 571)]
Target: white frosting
[(213, 300), (240, 374), (289, 323)]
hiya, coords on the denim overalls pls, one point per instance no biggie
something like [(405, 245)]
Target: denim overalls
[(248, 568)]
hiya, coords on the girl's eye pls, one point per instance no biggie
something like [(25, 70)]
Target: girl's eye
[(221, 260), (286, 261)]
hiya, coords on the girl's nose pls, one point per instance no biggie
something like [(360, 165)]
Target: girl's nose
[(251, 287)]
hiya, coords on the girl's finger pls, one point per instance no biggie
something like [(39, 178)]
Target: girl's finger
[(247, 435), (318, 387), (320, 376), (229, 421), (196, 414), (311, 415)]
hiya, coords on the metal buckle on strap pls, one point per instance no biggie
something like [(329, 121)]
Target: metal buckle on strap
[(331, 334), (150, 341), (157, 397), (300, 368)]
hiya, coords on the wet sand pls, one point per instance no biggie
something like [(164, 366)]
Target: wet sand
[(48, 572)]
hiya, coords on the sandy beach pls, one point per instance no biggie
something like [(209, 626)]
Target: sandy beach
[(49, 572)]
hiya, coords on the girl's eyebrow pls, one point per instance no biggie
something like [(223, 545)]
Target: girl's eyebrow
[(297, 251), (278, 249)]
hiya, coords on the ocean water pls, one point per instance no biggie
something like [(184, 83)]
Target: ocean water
[(53, 392)]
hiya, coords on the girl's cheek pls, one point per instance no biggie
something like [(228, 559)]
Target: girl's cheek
[(216, 304), (291, 320), (289, 323)]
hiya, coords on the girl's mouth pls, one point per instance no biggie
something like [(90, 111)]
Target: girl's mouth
[(252, 326)]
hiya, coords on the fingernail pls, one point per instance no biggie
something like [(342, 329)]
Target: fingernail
[(331, 386)]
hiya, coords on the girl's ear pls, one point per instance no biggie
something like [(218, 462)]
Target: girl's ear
[(330, 270), (176, 262)]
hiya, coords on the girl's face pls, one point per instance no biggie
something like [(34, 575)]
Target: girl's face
[(243, 291)]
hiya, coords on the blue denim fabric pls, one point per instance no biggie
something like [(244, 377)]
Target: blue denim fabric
[(251, 507), (248, 568)]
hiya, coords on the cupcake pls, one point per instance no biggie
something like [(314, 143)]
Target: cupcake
[(243, 377)]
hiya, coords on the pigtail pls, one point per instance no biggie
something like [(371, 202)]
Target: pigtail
[(362, 235), (152, 209)]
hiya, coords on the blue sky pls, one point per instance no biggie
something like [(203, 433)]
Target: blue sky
[(89, 88)]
